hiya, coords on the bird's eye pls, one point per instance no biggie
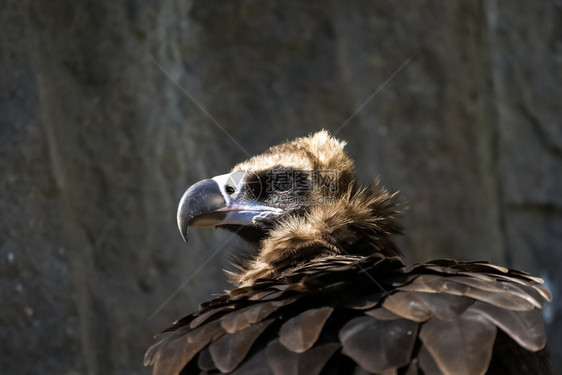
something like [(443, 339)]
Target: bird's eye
[(230, 190), (282, 185), (282, 182)]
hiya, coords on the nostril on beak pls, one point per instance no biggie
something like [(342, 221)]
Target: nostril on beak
[(230, 190)]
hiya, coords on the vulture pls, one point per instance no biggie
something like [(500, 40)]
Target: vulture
[(320, 286)]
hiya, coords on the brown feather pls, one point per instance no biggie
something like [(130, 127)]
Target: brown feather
[(243, 318), (171, 354), (408, 305), (231, 349), (447, 320), (379, 345), (365, 302), (441, 284), (283, 361), (380, 313), (301, 332), (255, 365), (464, 324), (445, 306), (522, 291), (200, 319), (525, 327), (462, 346)]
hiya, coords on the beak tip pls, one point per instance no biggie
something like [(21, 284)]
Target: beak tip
[(184, 236), (183, 227), (183, 216)]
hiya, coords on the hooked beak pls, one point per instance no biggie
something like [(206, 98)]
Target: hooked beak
[(219, 201)]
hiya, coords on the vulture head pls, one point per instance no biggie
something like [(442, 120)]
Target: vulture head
[(295, 202)]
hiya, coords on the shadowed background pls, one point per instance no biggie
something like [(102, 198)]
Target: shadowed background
[(98, 143)]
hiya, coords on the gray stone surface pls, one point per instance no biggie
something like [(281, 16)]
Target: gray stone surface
[(98, 141)]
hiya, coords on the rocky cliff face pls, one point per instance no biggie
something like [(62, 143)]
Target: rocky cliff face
[(108, 111)]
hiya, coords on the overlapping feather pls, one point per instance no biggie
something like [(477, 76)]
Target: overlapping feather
[(373, 315)]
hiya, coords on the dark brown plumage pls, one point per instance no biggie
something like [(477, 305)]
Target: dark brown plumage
[(325, 291)]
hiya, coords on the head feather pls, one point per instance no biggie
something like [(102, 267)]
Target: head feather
[(358, 221)]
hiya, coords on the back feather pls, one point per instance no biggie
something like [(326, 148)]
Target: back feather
[(371, 315)]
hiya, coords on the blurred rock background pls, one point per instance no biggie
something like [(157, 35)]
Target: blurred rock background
[(100, 135)]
